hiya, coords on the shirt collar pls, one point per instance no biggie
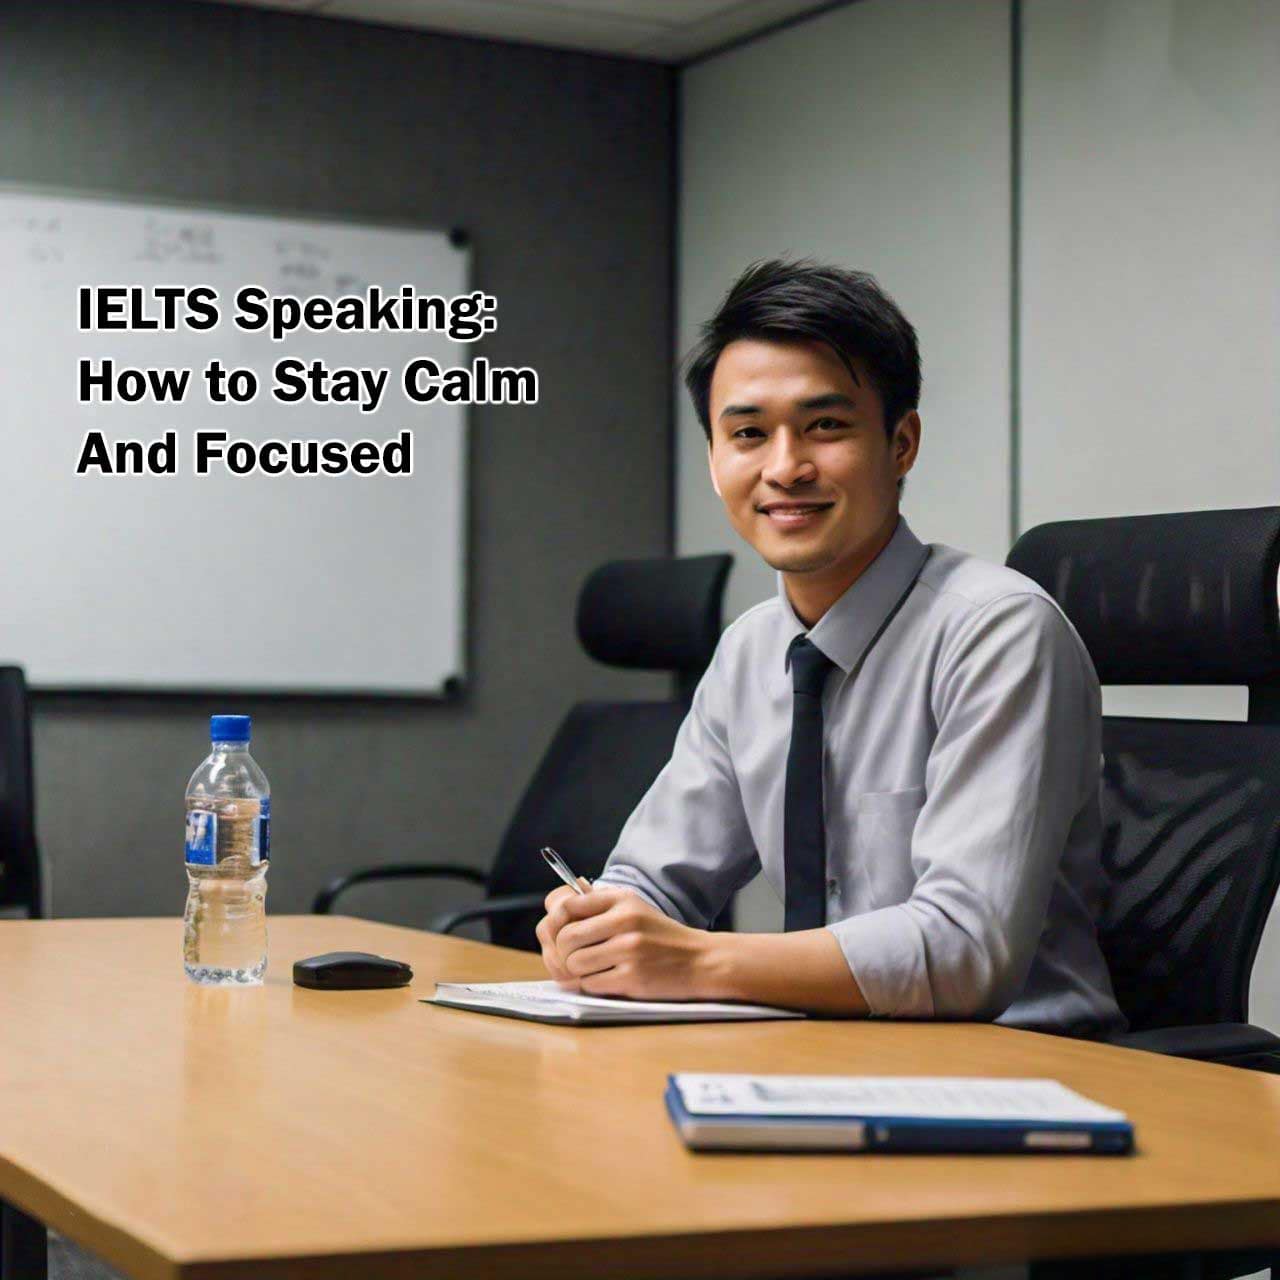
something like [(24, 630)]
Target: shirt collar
[(846, 630)]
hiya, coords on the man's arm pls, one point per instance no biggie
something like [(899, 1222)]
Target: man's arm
[(687, 846), (1016, 756), (610, 942)]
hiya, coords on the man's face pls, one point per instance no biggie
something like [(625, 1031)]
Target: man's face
[(800, 458)]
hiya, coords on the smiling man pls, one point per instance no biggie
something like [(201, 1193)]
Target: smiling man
[(906, 738)]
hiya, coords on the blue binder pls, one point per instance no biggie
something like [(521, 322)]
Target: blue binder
[(753, 1131)]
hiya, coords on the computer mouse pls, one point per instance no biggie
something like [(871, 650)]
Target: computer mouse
[(350, 971)]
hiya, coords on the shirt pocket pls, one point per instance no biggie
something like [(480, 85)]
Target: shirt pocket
[(886, 821)]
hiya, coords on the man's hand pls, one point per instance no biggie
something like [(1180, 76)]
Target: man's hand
[(610, 942), (550, 925)]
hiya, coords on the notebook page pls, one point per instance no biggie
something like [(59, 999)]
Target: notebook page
[(925, 1097), (547, 992)]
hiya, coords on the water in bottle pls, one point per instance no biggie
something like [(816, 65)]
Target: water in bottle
[(224, 941)]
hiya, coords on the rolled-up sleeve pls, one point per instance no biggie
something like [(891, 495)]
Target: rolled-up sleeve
[(1017, 707), (687, 846)]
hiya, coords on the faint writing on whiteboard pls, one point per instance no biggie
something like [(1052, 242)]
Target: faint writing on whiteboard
[(346, 282), (298, 247), (174, 240), (302, 261), (43, 233), (306, 263)]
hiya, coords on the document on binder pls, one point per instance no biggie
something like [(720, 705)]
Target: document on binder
[(546, 1002), (890, 1113)]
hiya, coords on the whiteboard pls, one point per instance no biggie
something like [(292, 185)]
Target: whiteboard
[(318, 583)]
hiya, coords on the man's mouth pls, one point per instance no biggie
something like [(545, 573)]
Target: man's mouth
[(792, 515)]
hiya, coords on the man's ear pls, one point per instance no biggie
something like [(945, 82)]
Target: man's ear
[(906, 442), (715, 484)]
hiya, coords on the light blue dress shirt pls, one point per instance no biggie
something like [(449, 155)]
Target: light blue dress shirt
[(961, 777)]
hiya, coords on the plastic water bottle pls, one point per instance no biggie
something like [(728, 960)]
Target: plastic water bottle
[(224, 939)]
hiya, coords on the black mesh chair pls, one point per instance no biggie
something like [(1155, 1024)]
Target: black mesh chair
[(650, 614), (1191, 808), (19, 859)]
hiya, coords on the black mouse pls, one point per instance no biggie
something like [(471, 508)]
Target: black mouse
[(349, 971)]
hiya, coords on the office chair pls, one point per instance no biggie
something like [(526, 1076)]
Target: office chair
[(1190, 808), (19, 859), (661, 615)]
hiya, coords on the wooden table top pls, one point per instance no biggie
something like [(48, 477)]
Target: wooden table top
[(278, 1132)]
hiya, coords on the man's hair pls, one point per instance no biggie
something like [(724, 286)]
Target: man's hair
[(804, 301)]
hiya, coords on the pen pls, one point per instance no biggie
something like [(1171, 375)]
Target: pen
[(561, 868)]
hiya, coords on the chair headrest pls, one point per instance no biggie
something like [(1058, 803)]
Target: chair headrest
[(661, 615), (1184, 598)]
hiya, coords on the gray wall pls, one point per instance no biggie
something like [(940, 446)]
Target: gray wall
[(559, 165)]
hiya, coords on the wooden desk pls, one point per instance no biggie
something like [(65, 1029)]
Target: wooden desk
[(279, 1132)]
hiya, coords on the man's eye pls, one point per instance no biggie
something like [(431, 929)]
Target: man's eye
[(829, 424), (748, 433)]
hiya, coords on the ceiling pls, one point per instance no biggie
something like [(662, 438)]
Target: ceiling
[(674, 31)]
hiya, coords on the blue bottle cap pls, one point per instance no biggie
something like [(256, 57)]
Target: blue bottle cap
[(229, 728)]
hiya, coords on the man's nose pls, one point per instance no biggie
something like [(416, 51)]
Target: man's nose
[(788, 462)]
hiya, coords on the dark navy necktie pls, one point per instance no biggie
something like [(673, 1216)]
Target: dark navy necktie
[(803, 829)]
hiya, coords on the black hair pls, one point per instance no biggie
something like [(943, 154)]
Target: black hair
[(804, 301)]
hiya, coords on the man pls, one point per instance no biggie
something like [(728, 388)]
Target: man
[(906, 738)]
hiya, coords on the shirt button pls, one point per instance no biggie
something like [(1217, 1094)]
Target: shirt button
[(833, 888)]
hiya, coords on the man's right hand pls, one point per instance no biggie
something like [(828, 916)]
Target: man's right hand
[(546, 934), (595, 902)]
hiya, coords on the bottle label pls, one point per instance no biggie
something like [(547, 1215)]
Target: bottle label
[(264, 831), (202, 837)]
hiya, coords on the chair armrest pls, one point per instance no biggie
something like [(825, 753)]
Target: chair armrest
[(448, 921), (1233, 1043), (394, 871)]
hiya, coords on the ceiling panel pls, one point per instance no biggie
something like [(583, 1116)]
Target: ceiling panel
[(498, 20), (728, 24), (670, 13), (657, 30)]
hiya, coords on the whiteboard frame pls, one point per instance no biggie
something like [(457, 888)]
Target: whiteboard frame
[(454, 688)]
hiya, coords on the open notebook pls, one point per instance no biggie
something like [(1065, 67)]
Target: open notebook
[(546, 1002)]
